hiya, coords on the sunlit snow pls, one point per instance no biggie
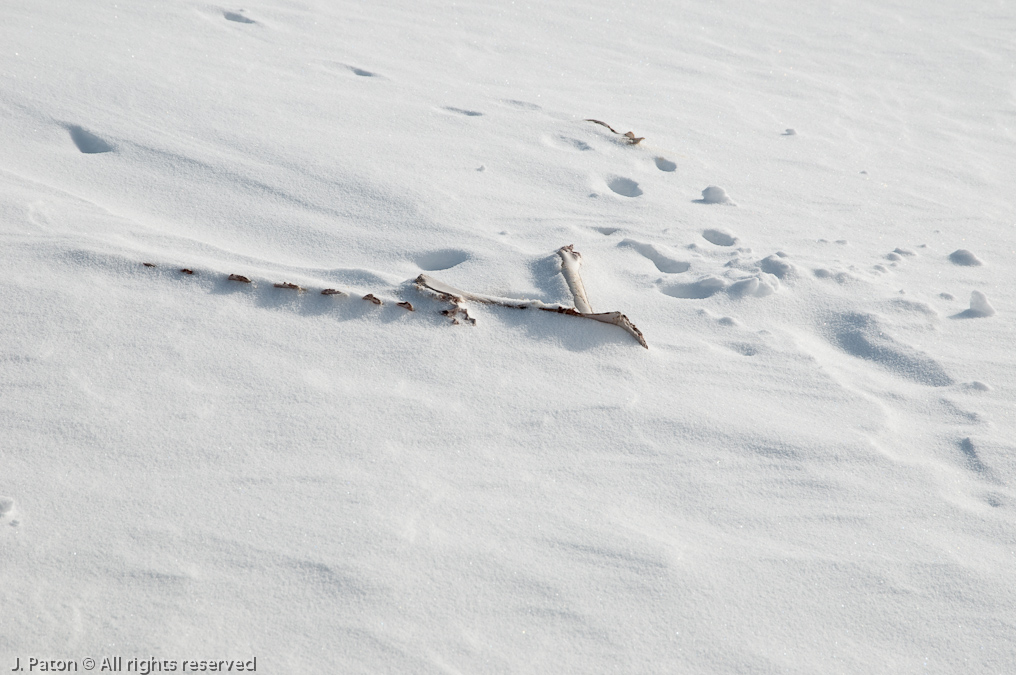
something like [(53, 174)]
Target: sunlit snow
[(233, 425)]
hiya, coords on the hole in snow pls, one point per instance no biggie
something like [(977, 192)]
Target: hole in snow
[(625, 187), (441, 260)]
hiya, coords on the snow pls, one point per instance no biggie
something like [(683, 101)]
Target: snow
[(809, 470)]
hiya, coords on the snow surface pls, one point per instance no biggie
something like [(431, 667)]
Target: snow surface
[(810, 470)]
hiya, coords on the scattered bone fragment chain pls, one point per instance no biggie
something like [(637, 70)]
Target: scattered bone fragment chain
[(571, 260)]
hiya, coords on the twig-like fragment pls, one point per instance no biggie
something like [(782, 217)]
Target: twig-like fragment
[(602, 124), (571, 260), (630, 135), (289, 286), (239, 277), (148, 264), (186, 270), (372, 298), (331, 291), (407, 306)]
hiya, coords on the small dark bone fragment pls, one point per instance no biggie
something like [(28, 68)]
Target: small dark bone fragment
[(187, 271), (239, 277), (630, 135), (287, 285), (407, 305), (331, 291), (370, 296), (148, 264), (459, 310)]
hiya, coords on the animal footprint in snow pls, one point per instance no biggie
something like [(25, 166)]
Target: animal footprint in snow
[(87, 142), (434, 261), (460, 111), (753, 287), (775, 265), (663, 262), (863, 336), (7, 511), (705, 287), (237, 17), (972, 460), (719, 237), (625, 187), (665, 164), (574, 143), (899, 254)]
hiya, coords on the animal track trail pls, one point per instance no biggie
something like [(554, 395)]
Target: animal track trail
[(663, 262)]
